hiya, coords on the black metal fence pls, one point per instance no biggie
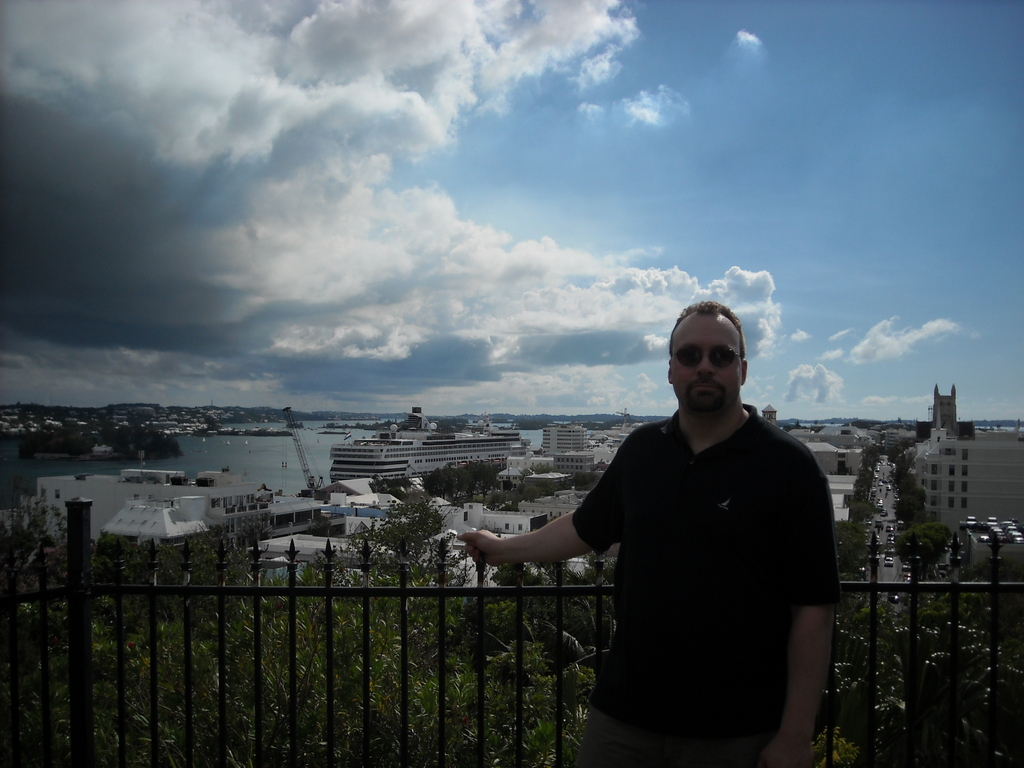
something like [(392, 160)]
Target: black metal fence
[(326, 667)]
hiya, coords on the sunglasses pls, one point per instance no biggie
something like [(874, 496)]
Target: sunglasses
[(720, 357)]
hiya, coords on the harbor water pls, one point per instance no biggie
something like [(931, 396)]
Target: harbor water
[(270, 461)]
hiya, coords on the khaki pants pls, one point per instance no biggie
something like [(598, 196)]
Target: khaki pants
[(610, 743)]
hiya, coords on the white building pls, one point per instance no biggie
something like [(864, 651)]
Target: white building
[(562, 503), (574, 461), (841, 436), (981, 476), (167, 521), (227, 499), (841, 488), (965, 472), (559, 438), (477, 516), (836, 461)]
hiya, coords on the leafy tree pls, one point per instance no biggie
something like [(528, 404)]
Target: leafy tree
[(903, 463), (128, 440), (861, 511), (910, 506), (844, 753), (54, 441), (853, 550), (866, 475), (418, 525), (932, 542), (451, 483), (483, 477), (28, 527)]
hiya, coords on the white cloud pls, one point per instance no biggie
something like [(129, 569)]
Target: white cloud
[(815, 383), (551, 37), (747, 53), (598, 69), (203, 81), (832, 354), (883, 342), (837, 336), (655, 108), (556, 388), (747, 40), (873, 400), (799, 335), (750, 296), (306, 108), (590, 111)]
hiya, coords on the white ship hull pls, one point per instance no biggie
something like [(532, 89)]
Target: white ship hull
[(417, 448)]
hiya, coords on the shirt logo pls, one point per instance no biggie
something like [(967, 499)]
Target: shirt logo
[(725, 504)]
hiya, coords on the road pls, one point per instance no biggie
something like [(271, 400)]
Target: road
[(885, 523)]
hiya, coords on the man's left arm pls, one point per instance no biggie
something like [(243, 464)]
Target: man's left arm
[(810, 649)]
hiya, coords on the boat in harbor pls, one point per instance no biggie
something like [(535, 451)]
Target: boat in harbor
[(417, 447)]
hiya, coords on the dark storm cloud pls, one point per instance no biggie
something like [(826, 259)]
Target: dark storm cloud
[(101, 246), (451, 362), (440, 362), (592, 348)]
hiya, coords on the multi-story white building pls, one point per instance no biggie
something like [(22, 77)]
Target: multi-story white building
[(836, 461), (982, 476), (226, 499), (561, 438), (965, 472)]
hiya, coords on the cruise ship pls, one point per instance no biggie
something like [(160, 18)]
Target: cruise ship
[(417, 447)]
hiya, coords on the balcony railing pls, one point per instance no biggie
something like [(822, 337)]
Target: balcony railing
[(326, 667)]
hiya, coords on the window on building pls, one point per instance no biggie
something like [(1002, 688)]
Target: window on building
[(934, 502), (935, 485), (952, 487), (963, 487), (935, 469), (952, 469), (56, 493), (950, 502), (963, 470), (963, 503), (963, 454)]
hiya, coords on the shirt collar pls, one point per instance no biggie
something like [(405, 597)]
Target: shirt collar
[(742, 439)]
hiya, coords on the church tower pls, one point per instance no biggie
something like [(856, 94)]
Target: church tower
[(944, 411)]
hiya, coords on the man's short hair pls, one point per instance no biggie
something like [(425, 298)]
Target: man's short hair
[(711, 308)]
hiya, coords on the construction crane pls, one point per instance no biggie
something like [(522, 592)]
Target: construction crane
[(625, 418), (312, 483)]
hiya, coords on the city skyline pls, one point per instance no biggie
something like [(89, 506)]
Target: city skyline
[(502, 207)]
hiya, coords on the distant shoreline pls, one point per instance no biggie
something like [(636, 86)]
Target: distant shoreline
[(90, 457)]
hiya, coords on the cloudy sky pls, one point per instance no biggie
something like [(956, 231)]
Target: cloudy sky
[(502, 205)]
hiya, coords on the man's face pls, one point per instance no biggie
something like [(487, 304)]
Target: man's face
[(705, 387)]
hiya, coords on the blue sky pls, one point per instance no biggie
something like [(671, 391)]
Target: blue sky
[(502, 206)]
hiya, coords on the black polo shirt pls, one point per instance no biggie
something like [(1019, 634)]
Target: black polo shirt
[(714, 550)]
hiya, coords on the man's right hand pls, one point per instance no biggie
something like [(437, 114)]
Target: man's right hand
[(482, 543), (555, 541)]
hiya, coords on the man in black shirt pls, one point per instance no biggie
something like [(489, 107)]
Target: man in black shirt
[(723, 634)]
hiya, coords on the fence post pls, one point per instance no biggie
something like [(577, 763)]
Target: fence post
[(83, 748)]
